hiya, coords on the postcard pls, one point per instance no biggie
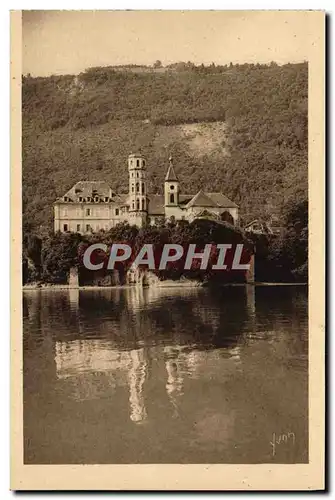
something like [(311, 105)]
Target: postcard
[(168, 268)]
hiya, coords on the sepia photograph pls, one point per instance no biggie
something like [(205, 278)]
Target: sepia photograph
[(164, 200)]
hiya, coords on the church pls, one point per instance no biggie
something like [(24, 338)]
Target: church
[(91, 206)]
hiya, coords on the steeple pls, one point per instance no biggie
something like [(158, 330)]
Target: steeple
[(171, 175), (171, 186)]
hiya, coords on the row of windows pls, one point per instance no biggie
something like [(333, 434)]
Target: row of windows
[(86, 227), (137, 163), (137, 174), (90, 212), (96, 212), (138, 188), (139, 206), (95, 199)]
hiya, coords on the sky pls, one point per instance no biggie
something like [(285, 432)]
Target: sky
[(68, 42)]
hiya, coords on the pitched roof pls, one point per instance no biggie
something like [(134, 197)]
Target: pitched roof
[(185, 198), (202, 200), (85, 189), (222, 200), (171, 174)]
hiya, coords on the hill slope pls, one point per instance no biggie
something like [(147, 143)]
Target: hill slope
[(239, 129)]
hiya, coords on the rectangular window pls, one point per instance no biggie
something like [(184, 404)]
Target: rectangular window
[(65, 227), (88, 211), (117, 211), (88, 227), (78, 228)]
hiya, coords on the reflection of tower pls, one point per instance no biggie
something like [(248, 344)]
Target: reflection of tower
[(235, 356), (135, 297), (174, 383), (136, 378), (250, 291), (74, 299), (251, 308)]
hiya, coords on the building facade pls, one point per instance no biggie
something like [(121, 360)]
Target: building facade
[(91, 206)]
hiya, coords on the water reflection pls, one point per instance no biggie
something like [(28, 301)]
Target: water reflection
[(210, 374), (136, 377)]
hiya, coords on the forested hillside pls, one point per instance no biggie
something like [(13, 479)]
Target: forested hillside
[(240, 129)]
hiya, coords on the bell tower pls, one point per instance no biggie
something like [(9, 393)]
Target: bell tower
[(171, 187), (138, 204)]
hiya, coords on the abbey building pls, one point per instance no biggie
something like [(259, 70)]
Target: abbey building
[(90, 206)]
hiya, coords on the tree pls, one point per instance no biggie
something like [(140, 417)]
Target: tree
[(157, 64)]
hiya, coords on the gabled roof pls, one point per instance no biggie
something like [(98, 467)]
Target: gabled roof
[(92, 189), (202, 200), (185, 198), (122, 198), (171, 174), (222, 200)]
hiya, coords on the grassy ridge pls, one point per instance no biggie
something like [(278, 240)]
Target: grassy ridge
[(84, 127)]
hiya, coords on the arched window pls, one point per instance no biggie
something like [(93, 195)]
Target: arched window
[(172, 198), (137, 204), (137, 187), (143, 189), (137, 163), (143, 204), (133, 205), (132, 188)]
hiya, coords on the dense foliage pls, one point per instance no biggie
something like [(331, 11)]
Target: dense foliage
[(284, 258), (84, 127), (52, 257)]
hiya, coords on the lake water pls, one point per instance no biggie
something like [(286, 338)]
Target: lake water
[(166, 376)]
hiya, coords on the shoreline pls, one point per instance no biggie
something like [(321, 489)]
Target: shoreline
[(179, 285)]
